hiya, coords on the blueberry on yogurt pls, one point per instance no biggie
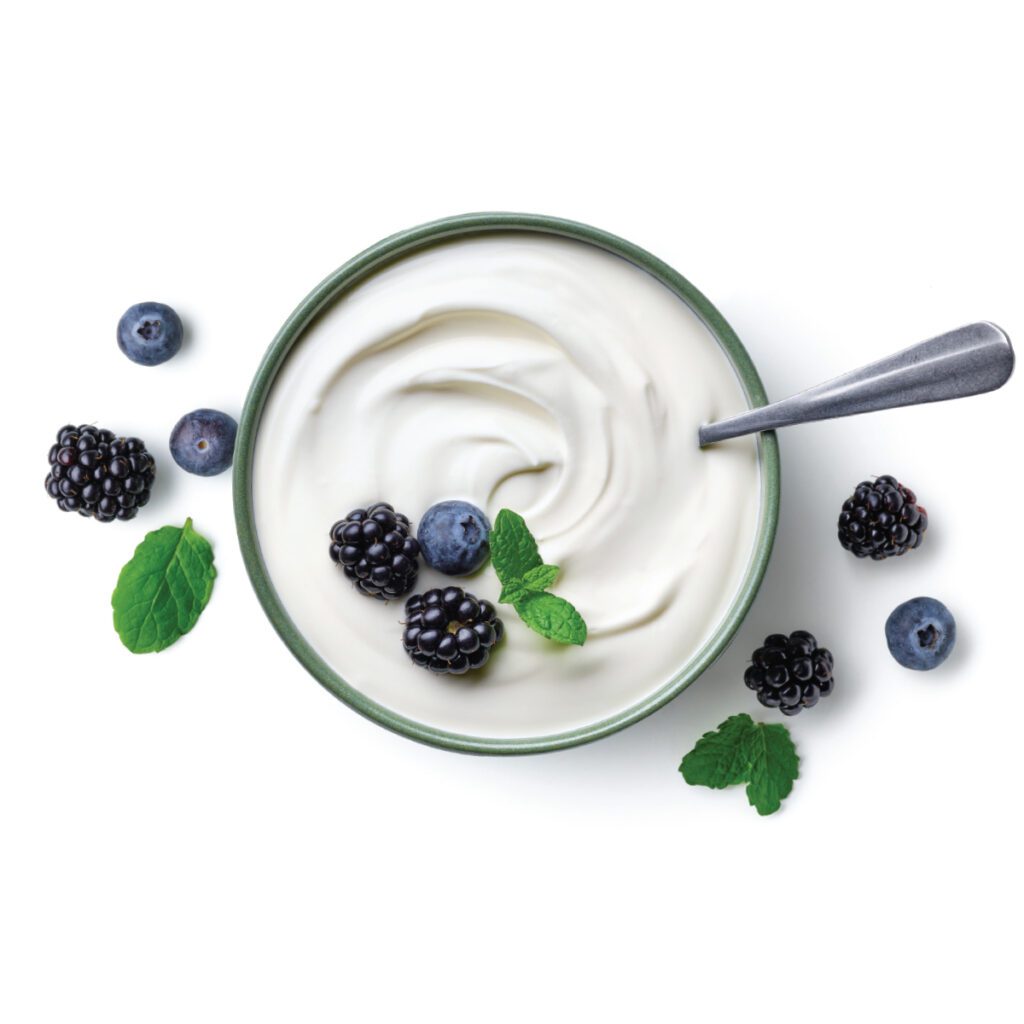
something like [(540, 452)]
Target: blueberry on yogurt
[(453, 537), (203, 442), (149, 333)]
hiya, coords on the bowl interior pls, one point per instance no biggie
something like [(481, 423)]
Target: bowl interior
[(357, 271)]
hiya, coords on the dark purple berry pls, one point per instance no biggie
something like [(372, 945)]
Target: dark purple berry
[(83, 478), (449, 631), (374, 550), (881, 520), (790, 672)]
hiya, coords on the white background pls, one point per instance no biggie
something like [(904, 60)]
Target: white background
[(206, 834)]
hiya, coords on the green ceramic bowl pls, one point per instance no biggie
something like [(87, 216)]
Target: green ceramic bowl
[(350, 275)]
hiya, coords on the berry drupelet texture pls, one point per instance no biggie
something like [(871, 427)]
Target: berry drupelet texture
[(790, 672), (882, 520), (373, 547), (450, 631), (97, 474)]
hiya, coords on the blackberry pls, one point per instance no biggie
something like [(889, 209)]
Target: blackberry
[(373, 547), (882, 519), (450, 631), (790, 672), (95, 473)]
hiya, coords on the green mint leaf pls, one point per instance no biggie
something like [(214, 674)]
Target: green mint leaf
[(162, 591), (742, 750), (553, 618), (513, 549), (524, 578), (721, 758), (774, 766), (540, 577), (513, 591)]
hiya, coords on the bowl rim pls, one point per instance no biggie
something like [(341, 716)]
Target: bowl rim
[(350, 275)]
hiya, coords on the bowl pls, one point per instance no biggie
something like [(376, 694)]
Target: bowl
[(354, 273)]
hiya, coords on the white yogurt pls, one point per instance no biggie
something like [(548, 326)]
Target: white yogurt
[(528, 372)]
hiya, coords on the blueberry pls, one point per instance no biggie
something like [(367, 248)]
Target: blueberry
[(921, 633), (453, 537), (203, 442), (149, 333)]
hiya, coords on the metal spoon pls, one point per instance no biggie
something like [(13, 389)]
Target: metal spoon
[(967, 361)]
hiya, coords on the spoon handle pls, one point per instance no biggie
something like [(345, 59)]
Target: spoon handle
[(967, 361)]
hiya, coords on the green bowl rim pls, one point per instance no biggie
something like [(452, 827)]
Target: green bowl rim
[(369, 262)]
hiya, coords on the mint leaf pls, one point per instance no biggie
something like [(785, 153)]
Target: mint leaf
[(742, 750), (773, 767), (540, 577), (553, 618), (721, 758), (162, 591), (524, 578), (513, 591), (536, 581), (513, 549)]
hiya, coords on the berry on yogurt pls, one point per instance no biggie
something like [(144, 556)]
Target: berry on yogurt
[(450, 631), (453, 537), (374, 549)]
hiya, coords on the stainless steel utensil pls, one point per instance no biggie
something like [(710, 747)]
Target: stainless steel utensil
[(967, 361)]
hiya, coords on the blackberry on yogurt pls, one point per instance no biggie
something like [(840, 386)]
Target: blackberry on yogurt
[(374, 548), (450, 631)]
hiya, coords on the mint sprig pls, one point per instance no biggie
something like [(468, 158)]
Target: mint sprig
[(536, 581), (163, 590), (742, 750), (539, 578), (513, 550), (525, 580)]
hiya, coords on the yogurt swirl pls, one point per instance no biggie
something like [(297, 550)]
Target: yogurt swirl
[(528, 372)]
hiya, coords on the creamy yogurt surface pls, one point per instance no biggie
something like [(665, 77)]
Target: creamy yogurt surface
[(529, 372)]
